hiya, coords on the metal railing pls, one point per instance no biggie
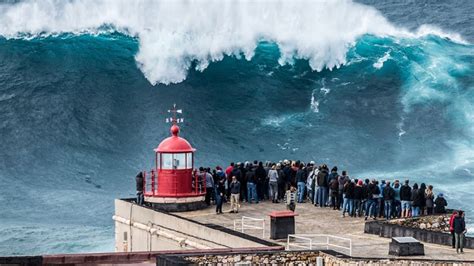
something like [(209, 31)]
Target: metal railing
[(250, 223), (308, 241)]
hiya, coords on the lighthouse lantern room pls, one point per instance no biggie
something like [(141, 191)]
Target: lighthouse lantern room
[(172, 185)]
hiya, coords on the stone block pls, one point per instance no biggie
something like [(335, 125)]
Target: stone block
[(406, 246)]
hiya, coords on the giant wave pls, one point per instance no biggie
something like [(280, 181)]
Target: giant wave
[(174, 35)]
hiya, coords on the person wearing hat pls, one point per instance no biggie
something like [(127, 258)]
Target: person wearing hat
[(440, 204)]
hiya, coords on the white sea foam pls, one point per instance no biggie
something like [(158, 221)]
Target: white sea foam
[(383, 59), (173, 34)]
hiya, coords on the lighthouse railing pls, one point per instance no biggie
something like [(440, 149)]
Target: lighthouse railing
[(150, 183)]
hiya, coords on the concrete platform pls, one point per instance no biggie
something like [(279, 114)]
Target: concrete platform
[(315, 220)]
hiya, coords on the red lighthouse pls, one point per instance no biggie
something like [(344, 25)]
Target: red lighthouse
[(172, 184)]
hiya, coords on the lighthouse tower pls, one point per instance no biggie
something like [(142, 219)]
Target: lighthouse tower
[(173, 185)]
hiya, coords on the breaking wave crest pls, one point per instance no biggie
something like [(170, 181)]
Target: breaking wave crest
[(175, 36)]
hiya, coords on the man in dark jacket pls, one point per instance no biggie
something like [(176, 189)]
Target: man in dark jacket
[(405, 197), (348, 197), (251, 185), (358, 194), (235, 172), (459, 226), (332, 176), (322, 183), (373, 192), (261, 175), (440, 204), (301, 182), (388, 197), (139, 187)]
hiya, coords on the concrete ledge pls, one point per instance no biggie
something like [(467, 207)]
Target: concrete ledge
[(389, 230)]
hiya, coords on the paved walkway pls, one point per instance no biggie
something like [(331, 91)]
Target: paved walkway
[(315, 220)]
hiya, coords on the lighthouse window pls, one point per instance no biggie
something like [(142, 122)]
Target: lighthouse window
[(173, 161), (167, 161), (189, 160), (179, 161)]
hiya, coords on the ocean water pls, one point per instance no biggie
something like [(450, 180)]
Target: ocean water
[(383, 90)]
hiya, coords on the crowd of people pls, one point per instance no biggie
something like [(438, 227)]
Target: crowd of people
[(294, 182), (253, 182)]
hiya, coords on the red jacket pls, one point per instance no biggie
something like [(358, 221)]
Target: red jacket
[(451, 221)]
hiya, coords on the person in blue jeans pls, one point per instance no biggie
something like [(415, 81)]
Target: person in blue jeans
[(373, 192), (349, 197), (415, 199), (388, 197), (251, 185), (301, 182)]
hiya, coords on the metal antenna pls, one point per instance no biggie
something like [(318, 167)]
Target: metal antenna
[(174, 119)]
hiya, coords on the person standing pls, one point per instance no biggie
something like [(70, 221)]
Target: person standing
[(220, 192), (322, 179), (451, 228), (261, 175), (348, 197), (234, 195), (290, 197), (139, 187), (273, 183), (332, 176), (281, 182), (372, 199), (251, 184), (415, 199), (397, 204), (429, 200), (301, 182), (358, 192), (459, 230), (209, 187), (440, 204), (405, 197), (388, 196)]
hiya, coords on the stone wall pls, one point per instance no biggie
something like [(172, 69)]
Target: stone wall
[(423, 229), (329, 258)]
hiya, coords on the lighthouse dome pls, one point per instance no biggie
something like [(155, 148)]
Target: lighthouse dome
[(174, 144)]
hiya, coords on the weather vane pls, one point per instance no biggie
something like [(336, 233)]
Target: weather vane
[(174, 118)]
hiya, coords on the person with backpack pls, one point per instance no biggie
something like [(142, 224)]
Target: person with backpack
[(348, 197), (341, 180), (334, 190), (373, 192), (388, 197), (440, 204)]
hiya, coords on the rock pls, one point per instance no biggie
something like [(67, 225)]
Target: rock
[(422, 226), (435, 225), (237, 258), (428, 225)]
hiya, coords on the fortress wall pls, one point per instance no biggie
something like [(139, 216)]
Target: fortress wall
[(138, 228)]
